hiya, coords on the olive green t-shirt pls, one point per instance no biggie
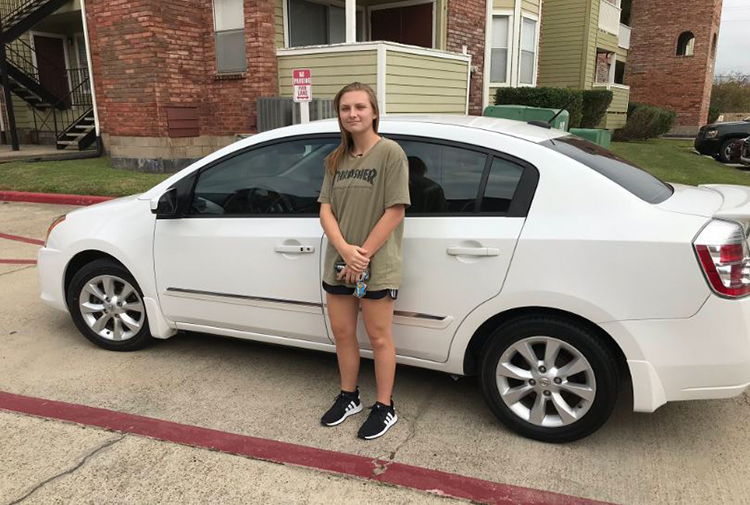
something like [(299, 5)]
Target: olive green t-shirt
[(359, 192)]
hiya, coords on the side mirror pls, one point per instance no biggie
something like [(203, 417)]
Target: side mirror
[(166, 204)]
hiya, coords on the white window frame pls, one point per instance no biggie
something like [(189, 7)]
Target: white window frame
[(535, 70), (216, 30), (405, 3), (511, 40)]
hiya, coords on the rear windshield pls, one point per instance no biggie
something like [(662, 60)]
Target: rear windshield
[(631, 177)]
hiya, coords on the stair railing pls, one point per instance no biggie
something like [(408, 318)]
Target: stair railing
[(79, 99), (21, 55), (8, 8)]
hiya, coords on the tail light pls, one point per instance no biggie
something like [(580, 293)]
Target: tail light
[(55, 222), (725, 258)]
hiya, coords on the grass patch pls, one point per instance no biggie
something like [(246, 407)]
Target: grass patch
[(676, 161), (93, 176)]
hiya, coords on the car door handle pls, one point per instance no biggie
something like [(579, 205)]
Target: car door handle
[(295, 249), (473, 251)]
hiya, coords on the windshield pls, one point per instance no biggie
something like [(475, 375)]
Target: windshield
[(628, 175)]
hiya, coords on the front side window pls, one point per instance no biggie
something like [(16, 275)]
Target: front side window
[(499, 51), (229, 31), (528, 51), (279, 179), (442, 179)]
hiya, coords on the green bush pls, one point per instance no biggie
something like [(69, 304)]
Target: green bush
[(553, 98), (645, 122), (595, 105), (714, 111)]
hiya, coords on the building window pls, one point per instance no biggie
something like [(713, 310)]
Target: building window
[(229, 26), (313, 24), (619, 72), (499, 51), (686, 44), (528, 51)]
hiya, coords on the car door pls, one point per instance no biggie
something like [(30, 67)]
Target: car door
[(246, 254), (468, 208)]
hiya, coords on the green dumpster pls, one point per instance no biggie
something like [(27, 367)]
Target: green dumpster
[(525, 113), (596, 135)]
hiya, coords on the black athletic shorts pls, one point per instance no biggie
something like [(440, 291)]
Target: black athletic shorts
[(370, 295)]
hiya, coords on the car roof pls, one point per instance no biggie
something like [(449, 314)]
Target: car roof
[(391, 123)]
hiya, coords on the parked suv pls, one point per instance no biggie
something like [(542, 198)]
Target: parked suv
[(716, 139)]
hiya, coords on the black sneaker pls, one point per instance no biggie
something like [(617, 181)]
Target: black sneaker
[(382, 417), (346, 404)]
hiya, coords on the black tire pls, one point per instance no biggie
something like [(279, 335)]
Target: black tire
[(87, 273), (581, 339), (725, 155)]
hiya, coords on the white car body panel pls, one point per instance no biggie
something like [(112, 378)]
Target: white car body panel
[(588, 247)]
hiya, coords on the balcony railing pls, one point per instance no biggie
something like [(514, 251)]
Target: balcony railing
[(609, 17), (624, 37)]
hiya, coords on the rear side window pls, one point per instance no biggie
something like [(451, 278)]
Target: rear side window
[(631, 177)]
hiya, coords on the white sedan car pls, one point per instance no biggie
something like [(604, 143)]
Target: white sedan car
[(539, 261)]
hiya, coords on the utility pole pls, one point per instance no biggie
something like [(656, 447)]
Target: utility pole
[(8, 97)]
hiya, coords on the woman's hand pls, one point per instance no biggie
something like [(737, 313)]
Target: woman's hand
[(355, 257), (348, 275)]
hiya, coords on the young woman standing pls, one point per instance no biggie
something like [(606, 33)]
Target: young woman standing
[(363, 200)]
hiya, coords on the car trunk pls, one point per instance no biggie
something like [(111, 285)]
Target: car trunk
[(720, 201)]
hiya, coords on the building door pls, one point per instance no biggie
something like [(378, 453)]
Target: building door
[(50, 61), (406, 25)]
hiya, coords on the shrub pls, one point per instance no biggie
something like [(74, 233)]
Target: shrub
[(553, 98), (645, 122), (595, 105), (714, 111)]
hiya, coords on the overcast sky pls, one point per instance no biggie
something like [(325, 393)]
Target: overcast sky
[(733, 53)]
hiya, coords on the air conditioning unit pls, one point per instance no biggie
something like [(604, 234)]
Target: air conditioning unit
[(275, 112)]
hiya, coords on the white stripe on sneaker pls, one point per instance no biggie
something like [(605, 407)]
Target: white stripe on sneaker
[(390, 420), (348, 412)]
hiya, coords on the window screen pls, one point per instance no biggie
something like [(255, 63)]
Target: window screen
[(229, 26)]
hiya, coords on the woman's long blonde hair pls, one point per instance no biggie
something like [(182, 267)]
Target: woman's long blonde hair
[(347, 142)]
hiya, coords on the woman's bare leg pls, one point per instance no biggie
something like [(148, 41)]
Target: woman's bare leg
[(343, 311), (378, 316)]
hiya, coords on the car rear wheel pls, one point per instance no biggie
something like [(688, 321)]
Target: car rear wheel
[(549, 379), (107, 306)]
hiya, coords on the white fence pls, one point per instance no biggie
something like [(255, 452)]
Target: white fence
[(624, 37), (609, 17)]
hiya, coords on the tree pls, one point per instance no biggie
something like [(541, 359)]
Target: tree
[(730, 93)]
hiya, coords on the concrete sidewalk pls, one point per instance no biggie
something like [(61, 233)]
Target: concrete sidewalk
[(47, 461)]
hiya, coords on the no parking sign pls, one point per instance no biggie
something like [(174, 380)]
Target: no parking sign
[(302, 83)]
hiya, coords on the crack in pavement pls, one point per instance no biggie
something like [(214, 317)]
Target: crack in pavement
[(71, 470), (381, 464), (17, 270)]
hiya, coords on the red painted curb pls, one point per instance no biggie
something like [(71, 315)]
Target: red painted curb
[(60, 199), (22, 239), (17, 262), (434, 481)]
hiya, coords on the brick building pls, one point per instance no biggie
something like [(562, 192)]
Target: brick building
[(164, 82), (672, 57)]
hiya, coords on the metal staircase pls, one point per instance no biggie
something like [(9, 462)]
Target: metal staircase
[(61, 103), (19, 16)]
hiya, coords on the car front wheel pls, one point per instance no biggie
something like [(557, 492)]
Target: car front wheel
[(726, 150), (107, 306), (549, 379)]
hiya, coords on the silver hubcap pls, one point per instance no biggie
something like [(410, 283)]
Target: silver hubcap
[(546, 382), (112, 308)]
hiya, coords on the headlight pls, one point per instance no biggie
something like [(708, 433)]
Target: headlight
[(55, 222), (712, 134)]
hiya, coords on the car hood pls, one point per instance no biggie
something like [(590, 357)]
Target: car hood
[(104, 206), (723, 125)]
